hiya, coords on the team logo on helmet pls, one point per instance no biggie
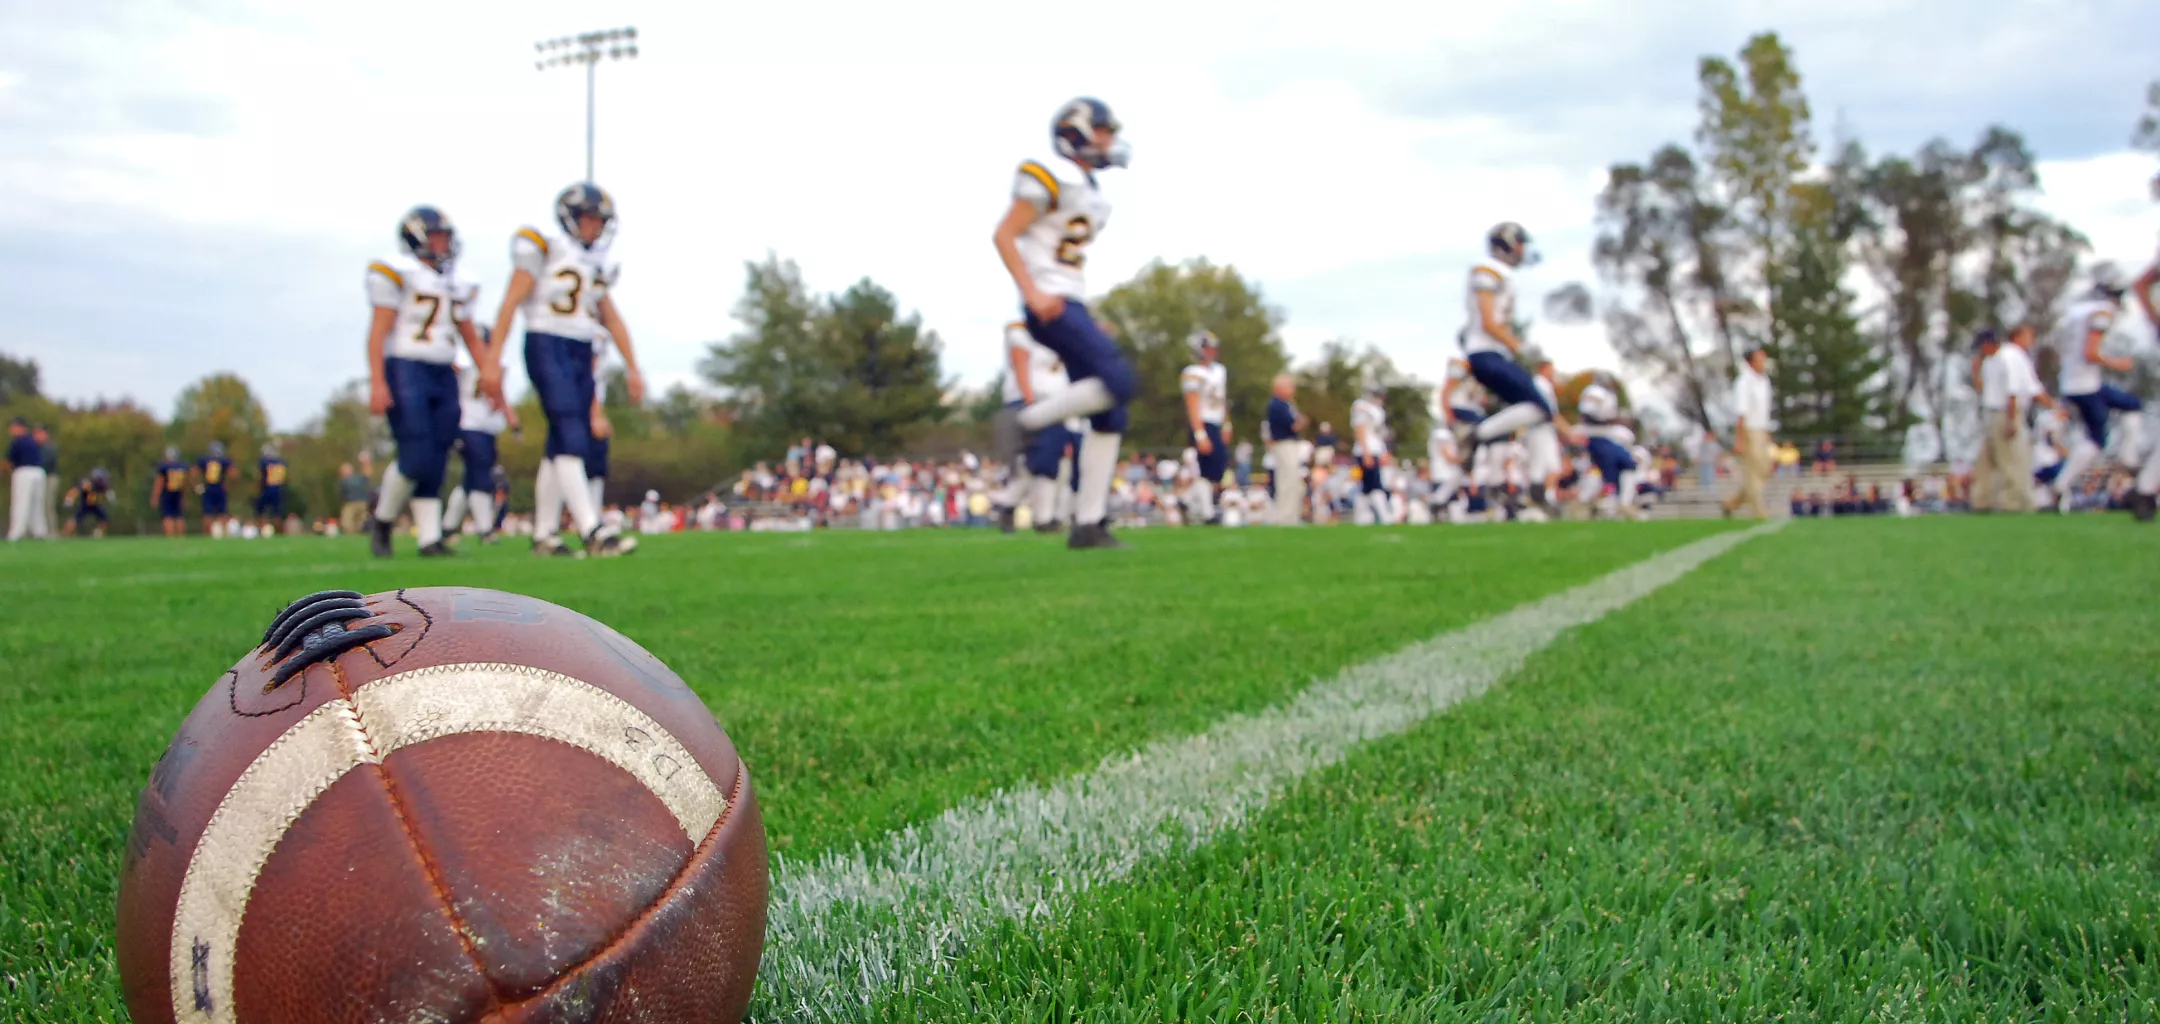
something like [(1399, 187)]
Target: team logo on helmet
[(584, 199), (2107, 278), (419, 223), (1074, 133), (1201, 341), (1510, 244)]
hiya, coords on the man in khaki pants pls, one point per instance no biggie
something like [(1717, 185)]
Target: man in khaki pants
[(1288, 475), (2008, 387), (1751, 435)]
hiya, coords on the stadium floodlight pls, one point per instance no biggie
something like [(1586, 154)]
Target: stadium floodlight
[(589, 49)]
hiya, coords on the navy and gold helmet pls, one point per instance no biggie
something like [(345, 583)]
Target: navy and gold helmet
[(1510, 244), (1201, 341), (584, 199), (419, 223), (1073, 131), (2108, 279)]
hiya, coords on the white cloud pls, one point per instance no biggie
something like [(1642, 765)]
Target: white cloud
[(1348, 157)]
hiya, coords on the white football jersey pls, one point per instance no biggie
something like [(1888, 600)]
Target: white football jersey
[(1441, 452), (1368, 428), (568, 282), (1212, 384), (1046, 372), (429, 303), (1071, 211), (1488, 276), (475, 411), (2080, 376)]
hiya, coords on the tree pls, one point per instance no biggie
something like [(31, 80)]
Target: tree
[(1829, 378), (2147, 134), (219, 407), (848, 368), (1152, 317), (1327, 386), (1756, 141), (18, 379), (1663, 243)]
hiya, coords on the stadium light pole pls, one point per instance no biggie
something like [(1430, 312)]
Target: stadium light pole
[(589, 49)]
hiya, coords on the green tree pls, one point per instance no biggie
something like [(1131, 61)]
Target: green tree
[(1756, 139), (18, 379), (1829, 378), (1154, 315), (1328, 385), (219, 407), (1662, 246)]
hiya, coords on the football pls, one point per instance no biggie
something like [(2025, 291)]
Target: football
[(444, 804)]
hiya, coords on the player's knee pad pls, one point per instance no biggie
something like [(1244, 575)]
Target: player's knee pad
[(569, 434)]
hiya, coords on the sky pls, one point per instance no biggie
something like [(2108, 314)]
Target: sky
[(196, 185)]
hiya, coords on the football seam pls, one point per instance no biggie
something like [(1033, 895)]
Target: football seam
[(427, 623), (570, 972), (428, 866)]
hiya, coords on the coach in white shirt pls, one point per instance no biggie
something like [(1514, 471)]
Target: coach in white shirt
[(2008, 387), (1751, 435)]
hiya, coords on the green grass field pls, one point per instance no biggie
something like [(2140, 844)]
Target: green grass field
[(1849, 770)]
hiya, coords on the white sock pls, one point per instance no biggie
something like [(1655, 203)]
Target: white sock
[(1084, 398), (2081, 458), (1544, 444), (1510, 420), (427, 520), (482, 504), (1203, 501), (1017, 489), (598, 486), (547, 501), (1629, 480), (1043, 501), (2132, 427), (1098, 462), (454, 510), (1066, 495), (396, 491), (577, 495)]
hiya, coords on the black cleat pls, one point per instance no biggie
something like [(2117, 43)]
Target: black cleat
[(608, 545), (1005, 520), (1050, 526), (436, 550), (1091, 535), (553, 547), (2142, 506), (379, 537)]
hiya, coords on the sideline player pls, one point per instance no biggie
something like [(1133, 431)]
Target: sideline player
[(1368, 444), (1490, 345), (1611, 445), (90, 498), (418, 306), (166, 487), (1056, 211), (2078, 341), (213, 474), (561, 285), (1206, 385), (1034, 373), (603, 429), (270, 474), (481, 418)]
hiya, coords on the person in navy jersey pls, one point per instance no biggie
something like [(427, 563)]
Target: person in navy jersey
[(166, 488), (213, 474), (270, 473), (1286, 480), (26, 480), (90, 497)]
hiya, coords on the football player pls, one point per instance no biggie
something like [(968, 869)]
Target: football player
[(1459, 403), (2078, 341), (270, 474), (1368, 444), (2145, 497), (1206, 385), (1610, 443), (1443, 461), (1541, 446), (168, 483), (560, 282), (1056, 211), (213, 474), (1034, 374), (90, 498), (419, 308), (1489, 342), (603, 431), (481, 418)]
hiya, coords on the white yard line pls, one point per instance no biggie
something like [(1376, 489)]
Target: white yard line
[(848, 928)]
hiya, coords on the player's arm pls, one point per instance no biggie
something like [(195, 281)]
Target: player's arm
[(1488, 306), (1191, 386), (486, 358), (2093, 338), (1020, 359), (1032, 198), (1447, 400), (598, 417), (528, 256), (613, 321)]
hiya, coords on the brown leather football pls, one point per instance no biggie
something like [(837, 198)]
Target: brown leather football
[(444, 805)]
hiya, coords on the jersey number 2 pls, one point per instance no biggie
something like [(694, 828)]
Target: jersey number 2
[(1078, 233)]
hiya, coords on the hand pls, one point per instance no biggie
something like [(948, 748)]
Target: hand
[(600, 425), (1201, 443), (1045, 307), (1226, 433), (636, 383), (378, 396), (491, 384), (510, 417)]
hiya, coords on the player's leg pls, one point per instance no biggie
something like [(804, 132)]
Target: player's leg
[(409, 425), (2129, 424), (561, 371), (1040, 467), (596, 471), (479, 482), (2092, 412), (1522, 406), (431, 462), (1103, 382)]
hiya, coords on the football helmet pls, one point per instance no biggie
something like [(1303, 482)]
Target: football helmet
[(217, 449), (581, 199), (100, 476), (1201, 341), (1073, 131), (420, 222), (269, 450), (172, 453), (2107, 278), (1510, 244)]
